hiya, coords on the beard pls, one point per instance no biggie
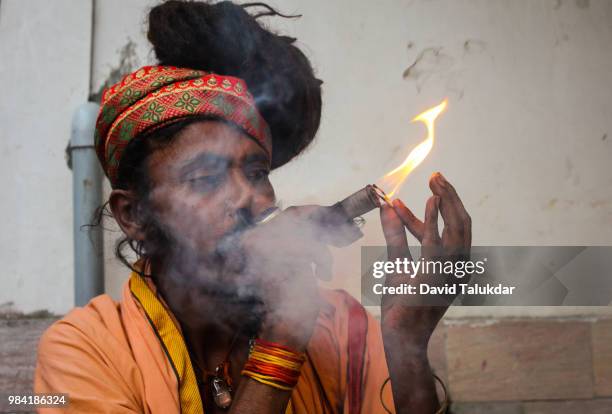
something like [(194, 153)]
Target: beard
[(204, 283), (217, 274)]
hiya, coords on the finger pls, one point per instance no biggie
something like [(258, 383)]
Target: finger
[(324, 224), (462, 213), (340, 235), (458, 204), (415, 226), (304, 211), (323, 260), (431, 237), (395, 234), (456, 219), (448, 207)]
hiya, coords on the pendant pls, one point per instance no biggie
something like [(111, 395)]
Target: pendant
[(221, 392)]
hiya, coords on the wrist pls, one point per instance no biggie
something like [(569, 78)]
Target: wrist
[(414, 329), (274, 364), (413, 344), (283, 335)]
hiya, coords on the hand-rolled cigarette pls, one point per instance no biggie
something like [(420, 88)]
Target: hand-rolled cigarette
[(349, 211), (340, 220), (352, 207), (362, 201)]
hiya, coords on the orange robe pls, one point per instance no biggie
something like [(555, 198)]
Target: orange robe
[(129, 357)]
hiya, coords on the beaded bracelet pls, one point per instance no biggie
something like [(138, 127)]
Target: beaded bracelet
[(274, 364)]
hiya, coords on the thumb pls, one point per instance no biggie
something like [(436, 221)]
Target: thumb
[(395, 234)]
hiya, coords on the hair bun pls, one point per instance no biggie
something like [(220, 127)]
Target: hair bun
[(225, 39)]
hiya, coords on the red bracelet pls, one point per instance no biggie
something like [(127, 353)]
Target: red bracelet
[(274, 364)]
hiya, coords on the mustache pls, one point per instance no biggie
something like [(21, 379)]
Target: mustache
[(228, 248), (244, 221), (227, 258), (229, 294), (227, 253)]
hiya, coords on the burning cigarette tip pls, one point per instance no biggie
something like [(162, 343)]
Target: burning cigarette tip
[(382, 195)]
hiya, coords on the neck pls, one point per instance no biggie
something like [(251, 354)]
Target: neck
[(211, 324)]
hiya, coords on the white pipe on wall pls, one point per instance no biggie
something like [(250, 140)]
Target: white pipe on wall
[(87, 196)]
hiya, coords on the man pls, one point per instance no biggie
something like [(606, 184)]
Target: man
[(221, 312)]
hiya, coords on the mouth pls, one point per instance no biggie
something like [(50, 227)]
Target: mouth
[(230, 296), (229, 291), (230, 259)]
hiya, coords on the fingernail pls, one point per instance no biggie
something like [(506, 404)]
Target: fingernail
[(441, 179), (397, 202)]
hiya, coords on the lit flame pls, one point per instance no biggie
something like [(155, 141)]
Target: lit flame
[(395, 178)]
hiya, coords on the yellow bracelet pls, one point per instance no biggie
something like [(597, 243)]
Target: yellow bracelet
[(281, 352), (274, 365), (265, 380), (259, 356)]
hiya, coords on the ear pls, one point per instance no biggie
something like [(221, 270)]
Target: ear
[(124, 205)]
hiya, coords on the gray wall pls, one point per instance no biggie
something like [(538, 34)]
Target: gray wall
[(526, 139), (44, 70)]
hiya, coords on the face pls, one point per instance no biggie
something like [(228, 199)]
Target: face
[(204, 185)]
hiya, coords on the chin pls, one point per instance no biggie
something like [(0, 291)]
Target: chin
[(228, 294)]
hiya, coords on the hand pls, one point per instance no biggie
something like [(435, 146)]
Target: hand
[(279, 256), (411, 316)]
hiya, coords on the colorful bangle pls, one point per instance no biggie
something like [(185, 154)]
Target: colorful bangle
[(274, 364)]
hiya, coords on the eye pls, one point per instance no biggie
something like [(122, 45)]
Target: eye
[(258, 174), (206, 182)]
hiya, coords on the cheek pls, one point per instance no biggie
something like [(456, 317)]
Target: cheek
[(264, 199), (197, 223)]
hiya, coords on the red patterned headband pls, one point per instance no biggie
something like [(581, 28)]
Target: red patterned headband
[(154, 96)]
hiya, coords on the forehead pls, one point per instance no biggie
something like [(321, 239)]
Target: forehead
[(203, 137)]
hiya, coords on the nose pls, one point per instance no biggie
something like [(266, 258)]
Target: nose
[(244, 218), (240, 198)]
